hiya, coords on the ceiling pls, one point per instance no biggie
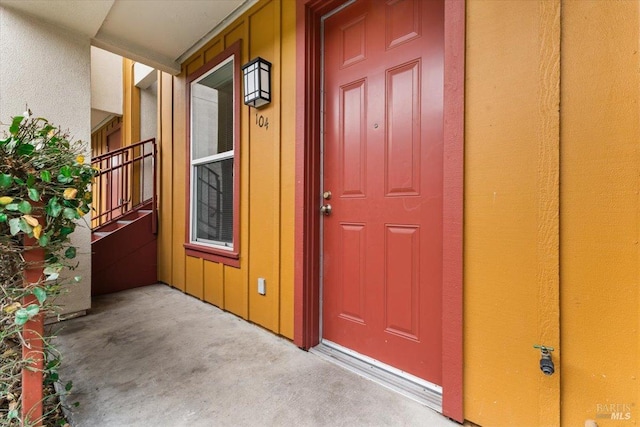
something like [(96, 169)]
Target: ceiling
[(159, 33)]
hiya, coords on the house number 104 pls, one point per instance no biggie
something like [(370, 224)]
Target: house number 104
[(262, 121)]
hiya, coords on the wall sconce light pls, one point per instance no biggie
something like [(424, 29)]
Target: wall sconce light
[(257, 82)]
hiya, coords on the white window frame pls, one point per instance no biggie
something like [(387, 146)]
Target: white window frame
[(209, 159)]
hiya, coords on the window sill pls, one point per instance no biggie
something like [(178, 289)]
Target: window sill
[(229, 258)]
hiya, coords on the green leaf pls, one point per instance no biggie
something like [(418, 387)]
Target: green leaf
[(34, 194), (65, 171), (24, 207), (64, 179), (25, 149), (40, 294), (44, 240), (3, 217), (65, 231), (15, 125), (45, 130), (53, 208), (69, 213), (24, 226), (70, 252), (31, 180), (33, 309), (52, 364), (14, 226), (45, 176), (68, 386), (5, 180), (12, 414), (21, 317), (12, 207)]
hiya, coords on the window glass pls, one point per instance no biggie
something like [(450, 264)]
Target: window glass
[(214, 195), (212, 113), (212, 157)]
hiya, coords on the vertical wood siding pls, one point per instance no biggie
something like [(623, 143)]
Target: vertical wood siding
[(552, 212), (266, 179), (511, 254), (600, 209), (98, 147), (99, 137)]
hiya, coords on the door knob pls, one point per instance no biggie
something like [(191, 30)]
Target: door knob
[(326, 209)]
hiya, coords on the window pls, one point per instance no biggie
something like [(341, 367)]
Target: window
[(213, 170)]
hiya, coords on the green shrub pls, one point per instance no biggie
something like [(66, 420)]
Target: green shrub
[(45, 188)]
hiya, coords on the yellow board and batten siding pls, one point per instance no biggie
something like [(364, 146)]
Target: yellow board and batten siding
[(552, 170), (600, 211), (511, 257), (99, 147), (99, 137), (267, 181), (130, 105), (552, 212)]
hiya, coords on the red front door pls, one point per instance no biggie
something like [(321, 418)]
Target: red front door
[(383, 148)]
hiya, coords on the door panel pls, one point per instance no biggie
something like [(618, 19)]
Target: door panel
[(402, 160), (402, 281), (382, 256), (353, 141)]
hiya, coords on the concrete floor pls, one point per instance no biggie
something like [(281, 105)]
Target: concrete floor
[(154, 356)]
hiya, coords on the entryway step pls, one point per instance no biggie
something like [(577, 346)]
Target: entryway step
[(99, 234), (408, 385)]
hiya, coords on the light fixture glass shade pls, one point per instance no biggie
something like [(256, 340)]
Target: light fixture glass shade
[(257, 82)]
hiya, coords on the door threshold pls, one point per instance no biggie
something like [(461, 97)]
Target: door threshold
[(408, 385)]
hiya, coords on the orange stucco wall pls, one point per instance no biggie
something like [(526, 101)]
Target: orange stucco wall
[(551, 212), (266, 179)]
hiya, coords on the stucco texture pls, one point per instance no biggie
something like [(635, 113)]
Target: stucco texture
[(48, 69)]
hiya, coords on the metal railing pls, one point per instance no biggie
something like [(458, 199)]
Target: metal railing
[(125, 182)]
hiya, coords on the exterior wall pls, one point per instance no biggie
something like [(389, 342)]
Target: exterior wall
[(511, 211), (266, 179), (551, 204), (99, 147), (106, 81), (600, 290), (149, 112), (551, 211), (60, 92), (130, 104), (99, 137), (148, 130)]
